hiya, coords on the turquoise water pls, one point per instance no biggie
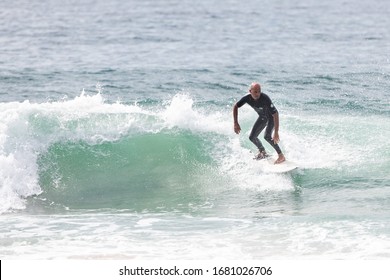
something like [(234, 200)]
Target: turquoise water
[(116, 130)]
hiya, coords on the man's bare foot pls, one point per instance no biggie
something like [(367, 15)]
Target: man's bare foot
[(261, 155), (280, 159)]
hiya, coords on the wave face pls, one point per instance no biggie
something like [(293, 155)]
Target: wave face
[(144, 171), (85, 153)]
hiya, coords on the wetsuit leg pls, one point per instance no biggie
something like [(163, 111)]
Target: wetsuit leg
[(268, 135), (256, 129)]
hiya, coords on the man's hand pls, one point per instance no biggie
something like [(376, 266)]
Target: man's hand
[(237, 128)]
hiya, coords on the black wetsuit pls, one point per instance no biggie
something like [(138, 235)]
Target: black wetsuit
[(264, 107)]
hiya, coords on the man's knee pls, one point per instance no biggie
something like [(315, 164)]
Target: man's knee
[(268, 138)]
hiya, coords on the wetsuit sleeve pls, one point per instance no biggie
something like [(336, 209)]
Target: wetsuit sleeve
[(242, 101), (271, 107)]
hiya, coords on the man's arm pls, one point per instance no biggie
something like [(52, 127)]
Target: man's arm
[(237, 127), (276, 138)]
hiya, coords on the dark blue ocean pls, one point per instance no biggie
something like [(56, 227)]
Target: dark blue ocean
[(117, 141)]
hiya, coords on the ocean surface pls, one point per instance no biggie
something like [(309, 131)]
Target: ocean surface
[(117, 141)]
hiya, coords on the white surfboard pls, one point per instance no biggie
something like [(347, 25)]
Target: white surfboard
[(269, 166)]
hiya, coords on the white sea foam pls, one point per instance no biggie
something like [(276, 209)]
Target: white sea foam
[(180, 112), (115, 236)]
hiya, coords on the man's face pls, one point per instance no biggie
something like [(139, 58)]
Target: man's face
[(255, 92)]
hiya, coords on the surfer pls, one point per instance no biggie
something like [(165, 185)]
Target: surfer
[(268, 116)]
